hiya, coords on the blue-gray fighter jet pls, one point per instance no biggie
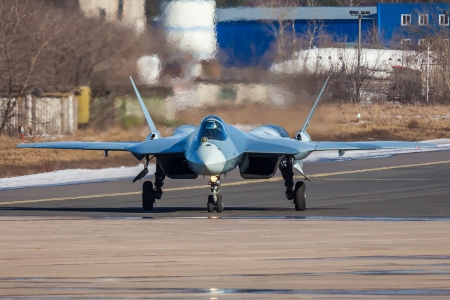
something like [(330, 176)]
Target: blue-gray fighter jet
[(214, 148)]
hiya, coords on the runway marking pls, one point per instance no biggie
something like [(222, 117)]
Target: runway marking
[(228, 184)]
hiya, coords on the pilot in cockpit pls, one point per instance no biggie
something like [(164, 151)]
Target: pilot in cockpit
[(213, 130)]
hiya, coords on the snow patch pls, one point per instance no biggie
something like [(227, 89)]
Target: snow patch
[(332, 156), (73, 176)]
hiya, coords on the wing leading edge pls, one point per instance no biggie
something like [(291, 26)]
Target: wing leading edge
[(110, 146), (347, 146)]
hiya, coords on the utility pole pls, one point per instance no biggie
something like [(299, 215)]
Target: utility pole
[(358, 68), (358, 72), (428, 70)]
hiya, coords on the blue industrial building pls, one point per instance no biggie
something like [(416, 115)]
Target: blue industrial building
[(395, 20), (246, 36)]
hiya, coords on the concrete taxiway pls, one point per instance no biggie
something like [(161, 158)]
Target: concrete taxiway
[(373, 228)]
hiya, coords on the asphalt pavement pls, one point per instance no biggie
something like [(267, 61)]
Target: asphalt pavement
[(404, 186), (359, 237)]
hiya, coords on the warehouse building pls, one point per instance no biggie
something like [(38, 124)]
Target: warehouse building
[(247, 36)]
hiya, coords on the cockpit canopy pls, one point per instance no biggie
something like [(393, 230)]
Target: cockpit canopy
[(213, 129)]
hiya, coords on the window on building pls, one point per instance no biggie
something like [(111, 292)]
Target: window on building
[(444, 20), (406, 43), (446, 42), (406, 20), (423, 19), (421, 42), (228, 94)]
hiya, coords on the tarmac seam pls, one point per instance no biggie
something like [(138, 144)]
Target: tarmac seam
[(228, 184)]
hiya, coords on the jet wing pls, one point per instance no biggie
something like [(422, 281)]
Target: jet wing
[(169, 145), (112, 146), (324, 146), (285, 146)]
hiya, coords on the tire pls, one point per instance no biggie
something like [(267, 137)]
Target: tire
[(300, 196), (219, 204), (148, 196), (210, 204)]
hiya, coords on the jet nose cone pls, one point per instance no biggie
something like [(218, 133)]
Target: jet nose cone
[(207, 160)]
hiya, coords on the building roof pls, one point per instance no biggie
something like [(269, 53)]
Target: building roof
[(292, 13)]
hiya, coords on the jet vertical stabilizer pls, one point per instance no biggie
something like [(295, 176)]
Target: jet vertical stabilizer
[(154, 133), (302, 135)]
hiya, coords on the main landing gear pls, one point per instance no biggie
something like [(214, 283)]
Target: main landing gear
[(150, 193), (215, 200), (300, 196), (297, 193)]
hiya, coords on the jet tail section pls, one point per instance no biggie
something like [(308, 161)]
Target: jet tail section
[(153, 132), (301, 135), (314, 106)]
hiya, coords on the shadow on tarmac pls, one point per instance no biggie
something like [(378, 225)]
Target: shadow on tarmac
[(156, 210)]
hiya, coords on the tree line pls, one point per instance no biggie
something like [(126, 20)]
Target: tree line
[(46, 45)]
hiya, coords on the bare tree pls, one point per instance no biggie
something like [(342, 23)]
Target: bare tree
[(349, 2), (46, 46), (27, 28), (432, 52), (280, 17)]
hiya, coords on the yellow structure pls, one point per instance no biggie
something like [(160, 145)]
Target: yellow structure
[(83, 104)]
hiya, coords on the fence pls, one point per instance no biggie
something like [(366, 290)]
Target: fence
[(39, 115)]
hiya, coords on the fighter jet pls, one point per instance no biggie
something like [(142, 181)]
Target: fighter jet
[(214, 148)]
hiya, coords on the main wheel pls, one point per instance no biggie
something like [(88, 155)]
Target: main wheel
[(300, 196), (210, 203), (219, 204), (148, 196)]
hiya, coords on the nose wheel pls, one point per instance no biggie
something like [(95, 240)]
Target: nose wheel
[(215, 205), (215, 200)]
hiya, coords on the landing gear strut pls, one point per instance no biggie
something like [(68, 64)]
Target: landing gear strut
[(159, 181), (215, 200), (297, 194), (288, 176)]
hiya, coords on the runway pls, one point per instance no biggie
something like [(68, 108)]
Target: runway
[(403, 186)]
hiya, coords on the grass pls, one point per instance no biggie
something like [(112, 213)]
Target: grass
[(16, 162), (395, 122), (330, 122)]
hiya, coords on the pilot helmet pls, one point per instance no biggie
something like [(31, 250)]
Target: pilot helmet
[(210, 125)]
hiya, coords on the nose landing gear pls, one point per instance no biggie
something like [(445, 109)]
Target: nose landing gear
[(215, 200)]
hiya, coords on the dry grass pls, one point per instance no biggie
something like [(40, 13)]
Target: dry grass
[(395, 122), (338, 122), (331, 122), (15, 162)]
